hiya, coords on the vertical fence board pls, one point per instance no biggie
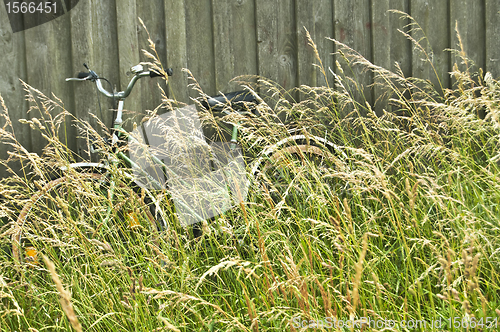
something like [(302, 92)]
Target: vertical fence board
[(128, 52), (277, 41), (317, 17), (468, 16), (48, 63), (492, 56), (200, 52), (104, 43), (234, 49), (81, 49), (13, 68), (354, 29), (152, 14), (223, 23), (390, 47), (175, 26), (400, 45), (432, 16), (93, 40)]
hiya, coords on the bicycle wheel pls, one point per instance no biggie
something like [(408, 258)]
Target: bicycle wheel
[(299, 169), (84, 216)]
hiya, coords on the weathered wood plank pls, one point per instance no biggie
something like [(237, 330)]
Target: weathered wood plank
[(468, 16), (152, 14), (391, 48), (128, 53), (353, 28), (277, 42), (81, 48), (48, 62), (175, 27), (235, 42), (200, 48), (400, 45), (223, 23), (432, 61), (94, 42), (317, 17), (104, 45), (492, 37), (12, 69)]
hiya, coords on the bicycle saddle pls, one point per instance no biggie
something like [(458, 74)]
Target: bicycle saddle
[(235, 99)]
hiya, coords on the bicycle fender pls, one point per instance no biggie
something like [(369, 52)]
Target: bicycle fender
[(99, 167), (295, 138)]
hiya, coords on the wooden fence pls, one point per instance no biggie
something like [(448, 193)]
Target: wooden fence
[(220, 39)]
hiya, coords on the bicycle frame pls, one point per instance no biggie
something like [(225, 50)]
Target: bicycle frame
[(120, 133), (118, 127), (140, 172)]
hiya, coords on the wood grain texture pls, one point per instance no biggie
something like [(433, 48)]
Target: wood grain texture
[(12, 70), (93, 41), (469, 18), (317, 17), (353, 28), (81, 49), (431, 62), (492, 56), (391, 49), (200, 49), (128, 53), (104, 46), (149, 12), (48, 63), (277, 42), (235, 42), (175, 30)]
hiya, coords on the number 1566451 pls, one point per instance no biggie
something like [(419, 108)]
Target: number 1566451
[(15, 7)]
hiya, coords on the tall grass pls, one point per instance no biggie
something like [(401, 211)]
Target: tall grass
[(415, 237)]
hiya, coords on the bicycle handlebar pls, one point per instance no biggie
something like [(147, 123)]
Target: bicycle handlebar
[(83, 74), (93, 77), (153, 73)]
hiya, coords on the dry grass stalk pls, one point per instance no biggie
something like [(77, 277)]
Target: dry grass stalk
[(169, 326), (357, 278), (65, 296)]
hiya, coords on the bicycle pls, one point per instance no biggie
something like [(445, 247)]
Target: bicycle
[(105, 200)]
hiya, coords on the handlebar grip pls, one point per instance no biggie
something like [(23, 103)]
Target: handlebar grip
[(83, 74), (153, 73)]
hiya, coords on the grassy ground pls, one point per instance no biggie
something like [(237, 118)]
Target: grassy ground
[(414, 239)]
